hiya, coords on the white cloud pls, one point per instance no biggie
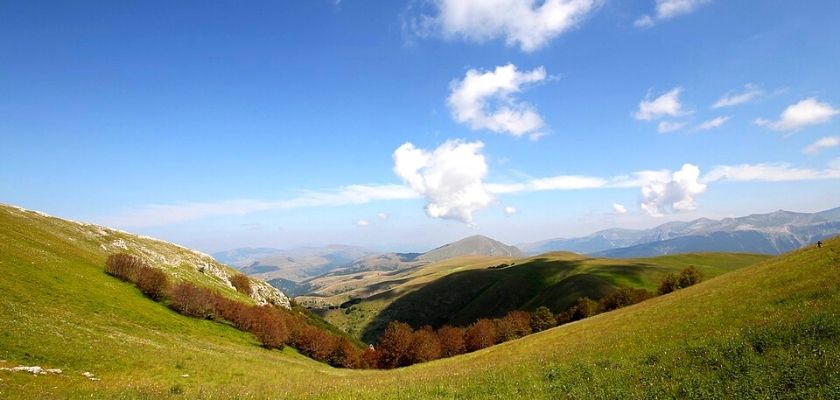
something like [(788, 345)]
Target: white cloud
[(449, 178), (731, 99), (804, 113), (165, 214), (667, 104), (529, 24), (824, 143), (713, 123), (666, 9), (669, 126), (771, 172), (382, 216), (560, 182), (619, 208), (672, 192), (510, 210), (362, 222), (485, 100)]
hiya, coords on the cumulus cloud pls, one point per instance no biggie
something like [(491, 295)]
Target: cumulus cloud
[(486, 100), (804, 113), (667, 104), (528, 24), (713, 123), (362, 222), (619, 208), (669, 126), (672, 192), (667, 9), (771, 172), (510, 210), (824, 143), (448, 178), (731, 99)]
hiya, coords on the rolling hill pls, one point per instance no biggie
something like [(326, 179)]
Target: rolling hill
[(460, 291), (773, 233), (292, 264), (770, 330)]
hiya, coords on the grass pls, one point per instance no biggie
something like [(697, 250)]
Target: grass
[(769, 330)]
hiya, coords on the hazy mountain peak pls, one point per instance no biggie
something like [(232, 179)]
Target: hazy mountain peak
[(472, 245)]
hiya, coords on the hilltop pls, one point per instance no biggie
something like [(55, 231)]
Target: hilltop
[(768, 330), (476, 245)]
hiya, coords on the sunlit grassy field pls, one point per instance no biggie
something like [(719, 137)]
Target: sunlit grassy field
[(769, 330)]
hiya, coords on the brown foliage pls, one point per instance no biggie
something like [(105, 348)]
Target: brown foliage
[(480, 334), (241, 283), (514, 325), (193, 301), (584, 308), (123, 266), (268, 324), (425, 346), (345, 355), (395, 345), (623, 297), (370, 358), (669, 284), (687, 277), (452, 340), (151, 281)]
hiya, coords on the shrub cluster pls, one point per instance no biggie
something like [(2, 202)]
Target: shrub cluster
[(241, 283), (272, 326), (687, 277)]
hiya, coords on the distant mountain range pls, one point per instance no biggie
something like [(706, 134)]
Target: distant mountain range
[(773, 233), (291, 264)]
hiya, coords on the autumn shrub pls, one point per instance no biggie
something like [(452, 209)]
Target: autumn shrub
[(514, 325), (269, 326), (123, 266), (345, 355), (193, 301), (542, 319), (623, 297), (394, 347), (241, 283), (583, 308), (480, 334), (425, 346), (370, 358), (152, 282), (451, 340)]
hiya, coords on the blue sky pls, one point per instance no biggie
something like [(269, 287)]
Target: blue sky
[(403, 125)]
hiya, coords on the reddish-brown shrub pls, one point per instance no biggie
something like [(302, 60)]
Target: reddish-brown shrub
[(193, 301), (269, 326), (584, 308), (425, 346), (481, 334), (241, 283), (452, 340), (151, 281), (623, 297), (345, 355), (123, 266), (395, 345), (370, 359), (514, 325), (542, 319)]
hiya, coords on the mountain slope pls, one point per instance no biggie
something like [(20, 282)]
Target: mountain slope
[(771, 330), (772, 233)]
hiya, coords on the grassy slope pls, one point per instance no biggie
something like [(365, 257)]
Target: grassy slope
[(461, 291), (762, 331)]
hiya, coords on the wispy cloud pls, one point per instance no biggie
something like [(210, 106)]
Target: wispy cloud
[(166, 214), (667, 104), (667, 9), (528, 24), (771, 172), (806, 112), (713, 123), (822, 144), (470, 100), (669, 126), (732, 99)]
